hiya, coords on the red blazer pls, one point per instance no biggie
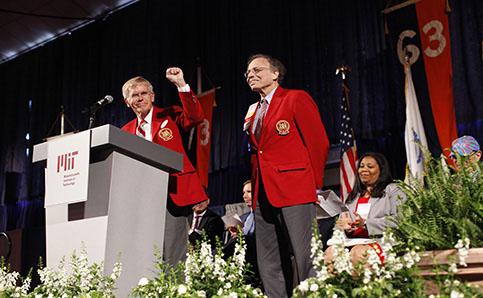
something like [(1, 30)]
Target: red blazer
[(185, 188), (292, 152)]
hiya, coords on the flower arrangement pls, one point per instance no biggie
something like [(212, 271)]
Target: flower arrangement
[(397, 277), (202, 275), (342, 279), (445, 279), (82, 281), (9, 280)]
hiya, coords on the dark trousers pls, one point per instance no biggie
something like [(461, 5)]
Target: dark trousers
[(175, 244), (326, 229), (279, 233)]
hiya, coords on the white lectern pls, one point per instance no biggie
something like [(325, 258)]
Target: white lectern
[(125, 208)]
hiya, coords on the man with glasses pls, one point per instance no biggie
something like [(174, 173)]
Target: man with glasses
[(162, 126), (467, 147), (288, 150)]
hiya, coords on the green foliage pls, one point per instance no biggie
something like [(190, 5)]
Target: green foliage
[(447, 208), (164, 283), (204, 274)]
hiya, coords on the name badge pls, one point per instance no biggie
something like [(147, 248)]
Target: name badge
[(363, 210), (249, 116)]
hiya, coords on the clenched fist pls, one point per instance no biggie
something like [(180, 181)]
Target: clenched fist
[(175, 76)]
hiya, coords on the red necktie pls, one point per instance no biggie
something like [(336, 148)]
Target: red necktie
[(197, 222), (140, 131), (261, 116)]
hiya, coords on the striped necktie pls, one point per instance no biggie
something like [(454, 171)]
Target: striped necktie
[(261, 116), (140, 131)]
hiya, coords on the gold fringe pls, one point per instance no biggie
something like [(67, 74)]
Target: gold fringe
[(447, 7)]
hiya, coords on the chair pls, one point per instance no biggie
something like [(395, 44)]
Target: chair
[(5, 246)]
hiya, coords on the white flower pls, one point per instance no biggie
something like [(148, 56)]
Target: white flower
[(314, 287), (411, 258), (342, 261), (182, 289), (201, 294), (455, 294), (447, 283), (233, 295), (374, 262), (143, 281), (228, 285), (452, 268), (463, 248), (304, 286), (367, 276)]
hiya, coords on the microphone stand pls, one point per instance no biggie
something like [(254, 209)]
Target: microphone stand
[(93, 109), (91, 120), (92, 116)]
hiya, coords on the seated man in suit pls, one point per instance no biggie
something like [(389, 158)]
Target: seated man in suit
[(204, 220), (247, 218)]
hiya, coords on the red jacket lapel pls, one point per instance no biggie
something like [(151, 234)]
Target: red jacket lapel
[(156, 122)]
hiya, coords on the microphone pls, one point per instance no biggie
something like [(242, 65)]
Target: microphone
[(100, 103)]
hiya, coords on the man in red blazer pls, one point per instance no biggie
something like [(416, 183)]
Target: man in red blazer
[(289, 150), (162, 126)]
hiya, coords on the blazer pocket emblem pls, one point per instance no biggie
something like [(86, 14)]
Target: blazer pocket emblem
[(283, 127), (165, 134)]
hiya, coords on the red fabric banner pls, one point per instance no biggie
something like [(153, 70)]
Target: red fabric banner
[(435, 43), (203, 139)]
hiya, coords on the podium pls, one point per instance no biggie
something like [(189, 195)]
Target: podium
[(125, 207)]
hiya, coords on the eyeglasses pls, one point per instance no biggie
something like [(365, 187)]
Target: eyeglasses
[(453, 157), (143, 94), (255, 71)]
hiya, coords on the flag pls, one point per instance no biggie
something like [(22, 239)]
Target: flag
[(435, 45), (203, 135), (420, 34), (348, 149), (414, 130)]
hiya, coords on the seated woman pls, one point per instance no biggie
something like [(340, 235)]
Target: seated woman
[(372, 202)]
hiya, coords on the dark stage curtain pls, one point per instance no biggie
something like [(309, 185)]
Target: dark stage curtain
[(312, 38)]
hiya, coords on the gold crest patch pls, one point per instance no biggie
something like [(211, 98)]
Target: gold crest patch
[(165, 134), (283, 127)]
